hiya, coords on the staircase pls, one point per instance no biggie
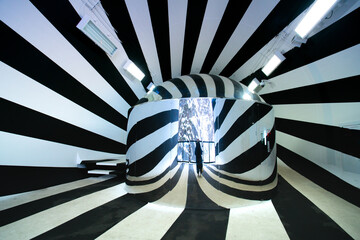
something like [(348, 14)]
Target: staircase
[(106, 167)]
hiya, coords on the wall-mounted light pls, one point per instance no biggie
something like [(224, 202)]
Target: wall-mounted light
[(273, 63), (254, 83), (87, 26), (313, 16), (150, 87), (131, 68)]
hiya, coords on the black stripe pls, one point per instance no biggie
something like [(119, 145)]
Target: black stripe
[(341, 90), (264, 195), (251, 158), (36, 178), (196, 198), (179, 83), (165, 94), (323, 44), (121, 21), (224, 112), (244, 121), (194, 17), (319, 176), (238, 91), (55, 13), (160, 24), (219, 86), (158, 193), (37, 66), (24, 210), (301, 218), (195, 223), (234, 12), (200, 83), (155, 179), (337, 138), (281, 16), (148, 162), (27, 122), (95, 222), (150, 124), (269, 180)]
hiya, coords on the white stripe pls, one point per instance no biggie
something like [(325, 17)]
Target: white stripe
[(46, 220), (345, 214), (29, 23), (260, 221), (151, 186), (253, 17), (210, 85), (191, 85), (240, 186), (149, 109), (177, 20), (238, 109), (246, 140), (336, 66), (13, 200), (213, 14), (154, 219), (260, 172), (17, 150), (18, 88), (333, 114), (171, 87), (140, 17), (229, 87), (220, 198), (340, 164), (146, 145)]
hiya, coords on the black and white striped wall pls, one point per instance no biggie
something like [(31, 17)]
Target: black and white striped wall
[(243, 154)]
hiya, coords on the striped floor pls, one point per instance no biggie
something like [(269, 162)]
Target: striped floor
[(101, 208)]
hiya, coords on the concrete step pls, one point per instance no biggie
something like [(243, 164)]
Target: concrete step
[(111, 163), (100, 171)]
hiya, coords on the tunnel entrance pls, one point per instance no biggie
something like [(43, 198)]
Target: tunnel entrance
[(196, 123)]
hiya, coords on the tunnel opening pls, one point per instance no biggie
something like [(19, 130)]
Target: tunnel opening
[(196, 123)]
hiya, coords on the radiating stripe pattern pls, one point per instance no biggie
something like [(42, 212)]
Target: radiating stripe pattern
[(193, 207), (245, 149)]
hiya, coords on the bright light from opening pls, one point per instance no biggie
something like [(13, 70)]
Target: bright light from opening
[(254, 83), (134, 70), (273, 63), (313, 16)]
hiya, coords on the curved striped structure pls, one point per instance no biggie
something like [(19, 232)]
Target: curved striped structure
[(245, 162)]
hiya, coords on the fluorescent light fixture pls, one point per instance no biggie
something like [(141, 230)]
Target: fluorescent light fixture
[(254, 83), (313, 16), (273, 63), (151, 86), (134, 70), (87, 26)]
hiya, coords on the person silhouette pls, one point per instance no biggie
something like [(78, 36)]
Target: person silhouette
[(199, 161)]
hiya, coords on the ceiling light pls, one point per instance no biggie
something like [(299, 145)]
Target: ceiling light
[(151, 86), (273, 63), (134, 70), (87, 26), (316, 12), (254, 83)]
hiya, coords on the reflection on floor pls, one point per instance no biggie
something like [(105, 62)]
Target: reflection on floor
[(101, 208)]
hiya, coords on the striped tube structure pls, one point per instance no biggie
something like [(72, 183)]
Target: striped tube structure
[(244, 126)]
